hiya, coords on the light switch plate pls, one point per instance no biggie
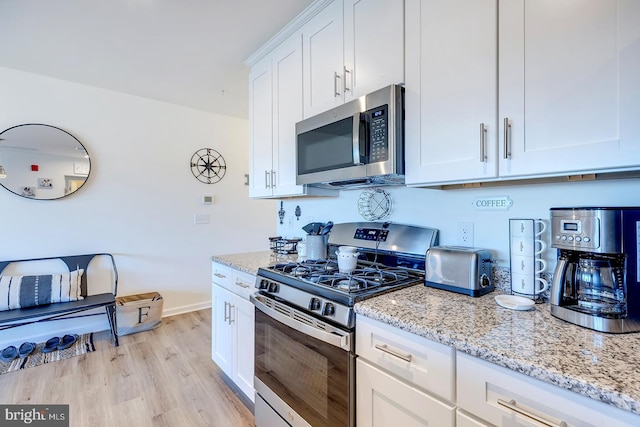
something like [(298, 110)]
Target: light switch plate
[(201, 219)]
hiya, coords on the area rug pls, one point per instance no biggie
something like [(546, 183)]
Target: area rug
[(83, 345)]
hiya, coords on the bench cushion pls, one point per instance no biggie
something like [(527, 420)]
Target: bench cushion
[(29, 291)]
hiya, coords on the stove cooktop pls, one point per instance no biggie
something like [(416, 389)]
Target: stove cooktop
[(391, 257)]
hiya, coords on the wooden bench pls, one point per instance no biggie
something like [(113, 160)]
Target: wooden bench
[(93, 297)]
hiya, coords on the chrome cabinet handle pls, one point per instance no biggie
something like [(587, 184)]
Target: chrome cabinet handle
[(344, 73), (273, 178), (483, 141), (242, 285), (507, 138), (219, 275), (512, 405), (336, 92), (383, 347), (266, 179), (226, 316), (231, 319)]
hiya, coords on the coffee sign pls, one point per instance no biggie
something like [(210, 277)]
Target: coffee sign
[(492, 203)]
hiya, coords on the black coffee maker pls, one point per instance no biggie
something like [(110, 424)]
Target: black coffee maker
[(596, 283)]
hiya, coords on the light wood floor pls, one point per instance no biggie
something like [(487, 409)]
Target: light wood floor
[(162, 377)]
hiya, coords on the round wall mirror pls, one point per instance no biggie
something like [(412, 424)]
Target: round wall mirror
[(42, 162)]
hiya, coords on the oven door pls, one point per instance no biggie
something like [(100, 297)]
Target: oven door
[(304, 368)]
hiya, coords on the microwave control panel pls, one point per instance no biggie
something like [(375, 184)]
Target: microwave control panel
[(378, 119)]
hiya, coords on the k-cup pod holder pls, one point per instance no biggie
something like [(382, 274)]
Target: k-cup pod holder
[(526, 247)]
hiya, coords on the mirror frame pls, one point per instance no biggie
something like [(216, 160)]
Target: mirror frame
[(38, 161)]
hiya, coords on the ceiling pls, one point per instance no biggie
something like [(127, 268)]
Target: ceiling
[(186, 52)]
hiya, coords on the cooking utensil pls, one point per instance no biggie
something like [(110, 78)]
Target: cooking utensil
[(326, 229), (313, 227)]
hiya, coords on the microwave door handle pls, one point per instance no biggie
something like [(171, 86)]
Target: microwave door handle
[(357, 160)]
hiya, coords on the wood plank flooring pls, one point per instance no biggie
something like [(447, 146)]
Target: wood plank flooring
[(162, 377)]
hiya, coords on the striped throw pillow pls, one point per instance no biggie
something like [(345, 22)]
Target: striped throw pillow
[(28, 291)]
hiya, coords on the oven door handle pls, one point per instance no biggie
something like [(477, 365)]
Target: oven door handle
[(333, 336)]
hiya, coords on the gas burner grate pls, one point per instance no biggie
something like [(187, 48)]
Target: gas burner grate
[(306, 268)]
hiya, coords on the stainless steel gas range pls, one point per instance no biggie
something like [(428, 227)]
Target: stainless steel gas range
[(305, 322)]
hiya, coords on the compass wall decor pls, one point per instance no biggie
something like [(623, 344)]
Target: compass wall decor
[(208, 166)]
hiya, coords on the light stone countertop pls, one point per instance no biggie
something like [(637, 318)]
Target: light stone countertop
[(600, 366), (249, 262)]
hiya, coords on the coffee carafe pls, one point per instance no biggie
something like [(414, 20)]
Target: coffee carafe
[(596, 281)]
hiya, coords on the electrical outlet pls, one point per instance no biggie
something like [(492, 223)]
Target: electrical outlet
[(465, 234)]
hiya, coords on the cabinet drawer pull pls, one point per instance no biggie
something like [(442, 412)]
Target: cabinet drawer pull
[(507, 138), (219, 275), (273, 178), (266, 179), (483, 138), (384, 348), (242, 285), (336, 92), (512, 405)]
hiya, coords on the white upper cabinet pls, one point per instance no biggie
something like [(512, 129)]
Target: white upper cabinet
[(451, 90), (275, 106), (373, 45), (568, 89), (322, 57), (351, 48), (569, 86), (260, 129), (287, 111)]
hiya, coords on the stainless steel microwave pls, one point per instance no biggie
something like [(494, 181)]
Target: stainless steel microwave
[(355, 145)]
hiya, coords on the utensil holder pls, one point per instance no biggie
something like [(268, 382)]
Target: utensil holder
[(316, 246)]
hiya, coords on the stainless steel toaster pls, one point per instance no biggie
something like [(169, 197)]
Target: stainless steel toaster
[(465, 270)]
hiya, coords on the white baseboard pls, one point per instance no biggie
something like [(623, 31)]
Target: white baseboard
[(186, 309)]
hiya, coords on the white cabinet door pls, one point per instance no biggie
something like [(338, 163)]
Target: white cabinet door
[(232, 343), (243, 319), (569, 86), (323, 60), (451, 91), (373, 45), (383, 400), (260, 129), (223, 332), (287, 111)]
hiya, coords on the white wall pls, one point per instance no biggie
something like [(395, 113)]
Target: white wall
[(140, 199), (443, 209)]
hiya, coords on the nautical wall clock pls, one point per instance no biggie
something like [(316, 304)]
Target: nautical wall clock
[(208, 166)]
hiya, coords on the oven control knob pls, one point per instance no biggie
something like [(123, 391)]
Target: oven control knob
[(328, 310), (273, 287), (264, 284), (314, 304)]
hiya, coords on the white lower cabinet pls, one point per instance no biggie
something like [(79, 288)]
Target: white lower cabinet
[(384, 400), (402, 379), (503, 397), (232, 317)]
